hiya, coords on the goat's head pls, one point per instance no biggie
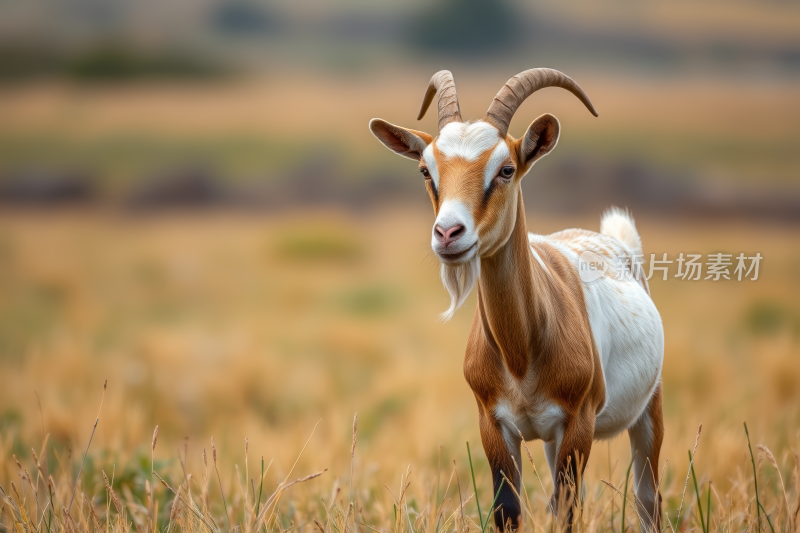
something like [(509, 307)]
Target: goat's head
[(473, 170)]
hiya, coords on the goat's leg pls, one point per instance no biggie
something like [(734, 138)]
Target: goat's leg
[(502, 450), (550, 453), (571, 457), (646, 436)]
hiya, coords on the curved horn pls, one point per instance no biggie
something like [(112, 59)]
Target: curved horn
[(521, 86), (449, 110)]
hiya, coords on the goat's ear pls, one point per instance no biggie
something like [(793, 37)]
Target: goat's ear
[(406, 142), (540, 139)]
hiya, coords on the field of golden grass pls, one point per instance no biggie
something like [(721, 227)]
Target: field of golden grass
[(275, 330), (272, 328)]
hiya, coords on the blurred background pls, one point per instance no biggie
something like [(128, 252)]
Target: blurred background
[(191, 205)]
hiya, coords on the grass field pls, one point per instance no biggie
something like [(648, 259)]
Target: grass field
[(249, 342), (274, 328), (278, 329)]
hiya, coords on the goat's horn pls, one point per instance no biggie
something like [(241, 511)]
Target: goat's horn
[(521, 86), (449, 110)]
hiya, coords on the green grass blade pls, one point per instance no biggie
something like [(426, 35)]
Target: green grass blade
[(491, 510), (260, 485), (474, 486), (708, 509), (767, 517), (438, 475), (759, 507), (625, 496), (697, 495)]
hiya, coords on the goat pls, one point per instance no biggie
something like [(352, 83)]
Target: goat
[(549, 356)]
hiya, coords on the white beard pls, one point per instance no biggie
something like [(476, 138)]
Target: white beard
[(459, 281)]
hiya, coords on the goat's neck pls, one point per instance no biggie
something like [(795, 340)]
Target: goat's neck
[(512, 299)]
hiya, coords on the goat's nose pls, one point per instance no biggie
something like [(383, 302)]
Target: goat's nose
[(447, 236)]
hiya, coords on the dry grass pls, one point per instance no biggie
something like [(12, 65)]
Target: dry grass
[(258, 328)]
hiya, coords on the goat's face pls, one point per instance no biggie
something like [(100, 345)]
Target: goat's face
[(473, 176), (473, 170)]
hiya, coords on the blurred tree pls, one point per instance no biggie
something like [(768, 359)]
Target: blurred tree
[(121, 62), (242, 18), (465, 26)]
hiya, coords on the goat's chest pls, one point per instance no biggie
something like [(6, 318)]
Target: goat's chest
[(520, 403), (523, 405)]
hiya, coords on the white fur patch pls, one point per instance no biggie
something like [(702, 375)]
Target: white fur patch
[(468, 141), (618, 223), (498, 157), (543, 421), (459, 281), (538, 258), (454, 212), (430, 160)]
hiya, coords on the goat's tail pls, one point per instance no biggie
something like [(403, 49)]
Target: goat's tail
[(618, 223)]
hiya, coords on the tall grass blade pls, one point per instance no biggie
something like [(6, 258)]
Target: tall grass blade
[(697, 494), (260, 486), (625, 496), (491, 510), (755, 479), (474, 486), (686, 483), (353, 452), (105, 384), (610, 477), (458, 483), (153, 517), (438, 476), (769, 522), (774, 463), (219, 479)]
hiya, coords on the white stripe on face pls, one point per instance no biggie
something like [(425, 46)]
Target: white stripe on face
[(430, 160), (466, 140), (453, 213), (499, 155)]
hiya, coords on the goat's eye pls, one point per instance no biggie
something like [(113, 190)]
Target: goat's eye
[(506, 172), (425, 172)]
